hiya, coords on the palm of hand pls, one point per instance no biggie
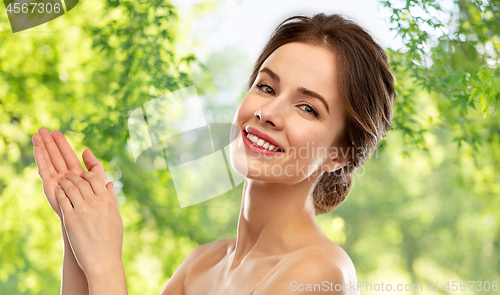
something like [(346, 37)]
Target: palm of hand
[(49, 188), (54, 157)]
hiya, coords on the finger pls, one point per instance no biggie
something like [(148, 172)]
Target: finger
[(110, 187), (44, 155), (71, 191), (43, 169), (53, 151), (80, 183), (67, 153), (94, 165), (95, 182), (64, 202)]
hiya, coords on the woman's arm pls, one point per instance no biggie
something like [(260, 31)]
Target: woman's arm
[(109, 280), (73, 280), (54, 157), (95, 230)]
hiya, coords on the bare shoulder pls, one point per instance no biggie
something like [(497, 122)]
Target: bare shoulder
[(209, 254), (327, 254), (325, 261), (221, 246), (201, 257), (313, 270)]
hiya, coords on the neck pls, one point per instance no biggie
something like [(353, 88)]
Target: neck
[(275, 218)]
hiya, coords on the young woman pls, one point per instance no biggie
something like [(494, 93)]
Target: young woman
[(321, 86)]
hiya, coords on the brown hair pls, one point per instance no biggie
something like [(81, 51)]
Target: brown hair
[(366, 87)]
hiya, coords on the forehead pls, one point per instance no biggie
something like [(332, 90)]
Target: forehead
[(306, 65)]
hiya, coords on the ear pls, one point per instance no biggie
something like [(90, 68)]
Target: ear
[(338, 158)]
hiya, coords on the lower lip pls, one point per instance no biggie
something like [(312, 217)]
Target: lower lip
[(256, 149)]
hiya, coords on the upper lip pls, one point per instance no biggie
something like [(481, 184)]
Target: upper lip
[(263, 136)]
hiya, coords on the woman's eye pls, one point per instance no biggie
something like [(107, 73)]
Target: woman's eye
[(266, 88), (309, 109)]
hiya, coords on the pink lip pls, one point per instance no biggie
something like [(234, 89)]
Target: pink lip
[(263, 136)]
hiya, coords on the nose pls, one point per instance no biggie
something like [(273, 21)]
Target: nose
[(271, 113)]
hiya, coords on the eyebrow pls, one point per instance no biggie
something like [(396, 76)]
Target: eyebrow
[(273, 75), (313, 94), (300, 89)]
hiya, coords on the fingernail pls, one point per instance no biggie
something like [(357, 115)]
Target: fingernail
[(62, 177), (58, 187), (68, 173)]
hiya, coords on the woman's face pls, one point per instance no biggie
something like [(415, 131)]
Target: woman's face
[(295, 102)]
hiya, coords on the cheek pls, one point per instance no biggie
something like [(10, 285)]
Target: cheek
[(305, 131), (311, 144), (245, 111), (238, 157)]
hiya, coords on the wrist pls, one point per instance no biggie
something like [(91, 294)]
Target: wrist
[(105, 269), (64, 235), (106, 278)]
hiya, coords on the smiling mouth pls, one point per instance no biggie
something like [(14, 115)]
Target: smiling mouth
[(262, 144)]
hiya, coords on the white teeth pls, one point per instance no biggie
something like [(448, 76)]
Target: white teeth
[(261, 143)]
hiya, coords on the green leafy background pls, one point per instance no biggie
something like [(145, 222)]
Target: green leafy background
[(424, 208)]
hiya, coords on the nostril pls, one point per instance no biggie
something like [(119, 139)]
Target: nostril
[(257, 113)]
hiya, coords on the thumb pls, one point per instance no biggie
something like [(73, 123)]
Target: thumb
[(109, 186), (94, 165)]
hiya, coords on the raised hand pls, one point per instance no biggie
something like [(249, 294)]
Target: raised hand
[(54, 157), (94, 227)]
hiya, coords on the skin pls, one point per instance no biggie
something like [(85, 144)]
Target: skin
[(54, 158), (279, 240)]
